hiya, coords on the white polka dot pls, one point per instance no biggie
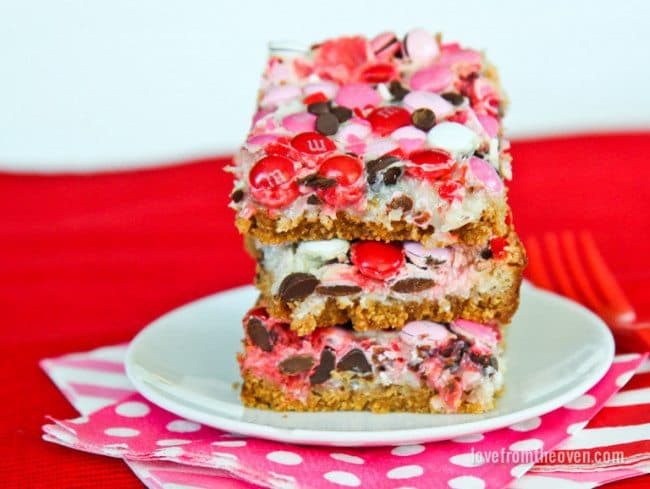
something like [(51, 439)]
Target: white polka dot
[(132, 409), (285, 458), (405, 472), (173, 485), (623, 379), (229, 443), (572, 429), (527, 425), (466, 482), (121, 432), (527, 445), (344, 457), (170, 442), (169, 452), (474, 459), (518, 470), (183, 426), (342, 478), (625, 358), (406, 450), (583, 402), (81, 420), (469, 438)]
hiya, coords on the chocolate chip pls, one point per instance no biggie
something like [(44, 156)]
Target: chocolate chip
[(341, 113), (325, 367), (258, 334), (397, 90), (486, 253), (318, 108), (296, 364), (237, 195), (317, 181), (314, 199), (423, 118), (354, 361), (410, 285), (403, 202), (392, 175), (375, 166), (297, 286), (327, 124), (453, 98), (338, 290)]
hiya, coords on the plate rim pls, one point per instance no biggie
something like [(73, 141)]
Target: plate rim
[(351, 438)]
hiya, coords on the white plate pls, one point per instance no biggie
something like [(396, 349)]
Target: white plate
[(185, 363)]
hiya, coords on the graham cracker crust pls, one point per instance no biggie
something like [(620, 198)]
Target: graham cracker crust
[(259, 393)]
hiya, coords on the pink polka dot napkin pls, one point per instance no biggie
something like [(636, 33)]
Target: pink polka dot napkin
[(118, 422)]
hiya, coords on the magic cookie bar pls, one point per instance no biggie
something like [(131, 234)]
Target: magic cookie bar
[(426, 367), (377, 140)]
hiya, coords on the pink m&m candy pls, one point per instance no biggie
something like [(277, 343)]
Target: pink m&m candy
[(359, 95), (489, 123), (432, 79), (486, 174), (421, 46), (280, 94), (428, 100), (262, 139), (486, 334), (299, 122)]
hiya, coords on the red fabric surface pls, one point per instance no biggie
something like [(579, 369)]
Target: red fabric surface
[(89, 260)]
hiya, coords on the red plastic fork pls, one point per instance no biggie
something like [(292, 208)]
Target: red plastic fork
[(573, 266)]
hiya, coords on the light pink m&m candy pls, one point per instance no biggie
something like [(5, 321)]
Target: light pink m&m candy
[(486, 174), (421, 256), (428, 100), (424, 332), (432, 79), (357, 127), (299, 122), (359, 95), (409, 138), (421, 46), (280, 94)]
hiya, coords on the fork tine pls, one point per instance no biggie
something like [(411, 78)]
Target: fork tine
[(536, 268), (605, 281), (578, 273), (559, 270)]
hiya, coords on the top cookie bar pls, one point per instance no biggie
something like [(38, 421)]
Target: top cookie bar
[(375, 139)]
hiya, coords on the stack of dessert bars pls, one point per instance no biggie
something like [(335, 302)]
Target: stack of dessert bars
[(370, 190)]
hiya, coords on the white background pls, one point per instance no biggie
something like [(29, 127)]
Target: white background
[(107, 84)]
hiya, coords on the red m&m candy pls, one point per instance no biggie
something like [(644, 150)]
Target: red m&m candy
[(271, 181), (347, 171), (385, 120), (377, 260), (431, 164), (378, 73), (498, 247), (312, 143)]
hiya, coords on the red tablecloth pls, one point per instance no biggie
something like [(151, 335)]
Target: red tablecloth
[(89, 260)]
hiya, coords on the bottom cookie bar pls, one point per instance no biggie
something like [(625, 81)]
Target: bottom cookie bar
[(425, 367)]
